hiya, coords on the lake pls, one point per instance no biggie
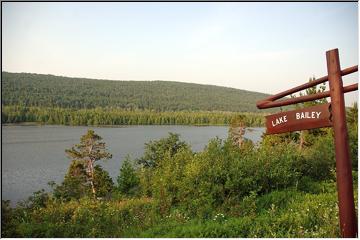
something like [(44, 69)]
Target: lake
[(34, 155)]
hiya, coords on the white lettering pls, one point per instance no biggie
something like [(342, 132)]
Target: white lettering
[(303, 115), (279, 120)]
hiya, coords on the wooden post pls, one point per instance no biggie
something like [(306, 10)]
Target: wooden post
[(348, 223)]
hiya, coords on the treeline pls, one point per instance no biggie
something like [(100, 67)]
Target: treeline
[(54, 91), (106, 116)]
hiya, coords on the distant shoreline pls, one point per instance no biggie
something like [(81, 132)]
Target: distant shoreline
[(109, 126)]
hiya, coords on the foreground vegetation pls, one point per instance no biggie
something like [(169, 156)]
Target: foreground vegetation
[(278, 188), (40, 90), (103, 116)]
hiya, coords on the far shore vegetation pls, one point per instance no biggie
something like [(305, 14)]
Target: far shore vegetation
[(112, 117)]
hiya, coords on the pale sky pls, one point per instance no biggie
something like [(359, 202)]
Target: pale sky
[(263, 47)]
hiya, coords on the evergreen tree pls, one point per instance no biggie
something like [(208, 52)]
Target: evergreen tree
[(102, 182), (89, 151), (75, 184), (128, 181)]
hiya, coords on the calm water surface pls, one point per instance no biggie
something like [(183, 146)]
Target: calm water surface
[(34, 155)]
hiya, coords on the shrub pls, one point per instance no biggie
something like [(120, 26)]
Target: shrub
[(285, 213), (156, 150), (86, 218), (128, 180)]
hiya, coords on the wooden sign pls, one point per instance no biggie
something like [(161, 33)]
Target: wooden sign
[(320, 116), (306, 118)]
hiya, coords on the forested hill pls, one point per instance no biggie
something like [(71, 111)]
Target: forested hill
[(55, 91)]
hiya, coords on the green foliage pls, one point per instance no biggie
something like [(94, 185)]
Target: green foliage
[(155, 151), (8, 219), (103, 183), (128, 180), (222, 173), (36, 201), (88, 152), (319, 160), (83, 176), (114, 116), (286, 214), (352, 115), (75, 184), (41, 90), (86, 218), (89, 149), (352, 124)]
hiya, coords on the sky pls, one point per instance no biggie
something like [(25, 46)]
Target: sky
[(263, 47)]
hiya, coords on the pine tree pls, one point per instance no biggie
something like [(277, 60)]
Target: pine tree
[(89, 151), (128, 180)]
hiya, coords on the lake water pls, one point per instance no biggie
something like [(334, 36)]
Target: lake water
[(34, 155)]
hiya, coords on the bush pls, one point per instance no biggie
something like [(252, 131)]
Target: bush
[(86, 218), (155, 151), (284, 214), (222, 173)]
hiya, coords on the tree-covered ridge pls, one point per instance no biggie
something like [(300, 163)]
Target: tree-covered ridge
[(55, 91)]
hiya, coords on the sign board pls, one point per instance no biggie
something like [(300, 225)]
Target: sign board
[(322, 116), (301, 119)]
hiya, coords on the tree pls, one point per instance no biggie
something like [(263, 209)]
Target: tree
[(237, 130), (89, 151), (128, 181), (75, 184), (156, 150), (103, 182)]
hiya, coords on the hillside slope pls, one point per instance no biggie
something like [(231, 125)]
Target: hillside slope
[(55, 91)]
